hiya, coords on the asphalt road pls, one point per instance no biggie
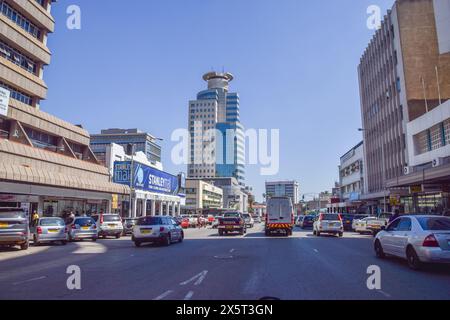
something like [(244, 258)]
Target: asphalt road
[(206, 266)]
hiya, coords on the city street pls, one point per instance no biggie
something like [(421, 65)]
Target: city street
[(206, 266)]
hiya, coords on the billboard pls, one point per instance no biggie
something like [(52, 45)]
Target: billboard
[(4, 101), (145, 178)]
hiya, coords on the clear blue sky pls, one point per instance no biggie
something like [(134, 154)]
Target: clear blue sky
[(138, 64)]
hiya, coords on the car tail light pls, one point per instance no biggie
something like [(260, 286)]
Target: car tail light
[(94, 227), (340, 217), (101, 218), (431, 242), (161, 229), (39, 230), (321, 217)]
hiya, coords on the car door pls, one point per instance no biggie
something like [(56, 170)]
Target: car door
[(387, 238), (401, 236), (173, 229)]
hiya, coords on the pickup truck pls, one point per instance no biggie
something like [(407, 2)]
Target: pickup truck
[(232, 221)]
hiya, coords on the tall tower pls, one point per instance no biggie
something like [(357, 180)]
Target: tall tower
[(217, 138)]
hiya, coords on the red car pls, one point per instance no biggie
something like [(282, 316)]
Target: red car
[(185, 223)]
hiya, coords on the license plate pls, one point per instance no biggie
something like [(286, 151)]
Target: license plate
[(229, 227), (111, 225), (146, 231), (53, 230), (3, 225), (84, 228)]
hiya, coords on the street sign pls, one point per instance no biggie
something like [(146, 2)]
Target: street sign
[(4, 101), (416, 189)]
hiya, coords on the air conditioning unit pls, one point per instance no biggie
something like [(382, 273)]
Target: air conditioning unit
[(407, 170), (437, 162)]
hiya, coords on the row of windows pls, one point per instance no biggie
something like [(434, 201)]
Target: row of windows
[(202, 110), (434, 138), (18, 95), (17, 58), (20, 20)]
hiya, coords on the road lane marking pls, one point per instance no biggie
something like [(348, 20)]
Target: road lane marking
[(30, 280), (189, 295), (387, 295), (316, 251), (232, 250), (89, 248), (199, 277), (164, 295)]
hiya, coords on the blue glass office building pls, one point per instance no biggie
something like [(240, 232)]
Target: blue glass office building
[(217, 108)]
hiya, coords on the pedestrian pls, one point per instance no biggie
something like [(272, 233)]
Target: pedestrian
[(395, 215), (35, 218)]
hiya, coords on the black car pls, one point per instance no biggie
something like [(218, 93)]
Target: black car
[(347, 221), (307, 222)]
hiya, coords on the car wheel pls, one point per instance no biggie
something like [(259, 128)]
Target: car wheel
[(314, 232), (137, 244), (118, 236), (181, 237), (379, 250), (341, 234), (220, 232), (167, 240), (413, 260), (25, 246), (64, 242)]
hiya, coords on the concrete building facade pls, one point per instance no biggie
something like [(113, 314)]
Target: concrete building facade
[(203, 195), (46, 163), (404, 73), (283, 189)]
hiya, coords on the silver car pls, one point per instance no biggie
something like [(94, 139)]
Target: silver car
[(109, 225), (82, 228), (160, 229), (49, 230), (14, 228), (330, 223), (417, 238)]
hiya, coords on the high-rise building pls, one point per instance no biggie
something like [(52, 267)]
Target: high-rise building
[(217, 139), (283, 189), (142, 142), (46, 163), (403, 74)]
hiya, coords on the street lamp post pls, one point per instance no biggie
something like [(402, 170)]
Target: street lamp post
[(383, 165)]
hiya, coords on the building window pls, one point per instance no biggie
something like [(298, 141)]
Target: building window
[(17, 58), (20, 20), (18, 95)]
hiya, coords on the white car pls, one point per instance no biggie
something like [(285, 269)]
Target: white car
[(249, 222), (418, 239), (158, 229), (360, 225), (330, 223)]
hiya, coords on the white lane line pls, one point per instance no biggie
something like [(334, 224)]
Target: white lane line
[(232, 250), (316, 251), (189, 295), (201, 276), (90, 248), (387, 295), (30, 280), (164, 295)]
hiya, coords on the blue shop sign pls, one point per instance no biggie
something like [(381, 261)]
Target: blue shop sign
[(145, 178), (355, 196)]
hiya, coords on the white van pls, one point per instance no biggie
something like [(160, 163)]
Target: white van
[(280, 216)]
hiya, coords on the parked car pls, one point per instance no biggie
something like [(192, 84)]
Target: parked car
[(280, 216), (330, 223), (419, 239), (109, 224), (185, 223), (215, 224), (232, 221), (49, 230), (360, 225), (249, 222), (376, 223), (128, 224), (193, 221), (356, 219), (14, 228), (81, 228), (159, 229), (347, 221), (298, 220), (307, 222)]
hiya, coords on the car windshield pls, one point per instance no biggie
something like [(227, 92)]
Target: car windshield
[(84, 222), (149, 221), (231, 215), (309, 218), (51, 222), (111, 218), (435, 223), (246, 216), (9, 214), (330, 217)]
